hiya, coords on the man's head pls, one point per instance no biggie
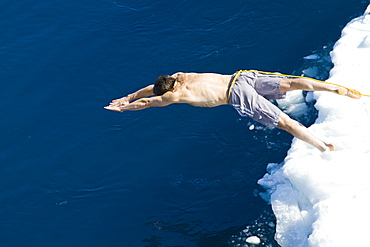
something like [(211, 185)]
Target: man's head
[(163, 84)]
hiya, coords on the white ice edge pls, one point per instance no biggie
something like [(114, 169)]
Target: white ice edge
[(324, 199)]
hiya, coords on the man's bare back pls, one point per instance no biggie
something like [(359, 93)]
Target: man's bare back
[(203, 90)]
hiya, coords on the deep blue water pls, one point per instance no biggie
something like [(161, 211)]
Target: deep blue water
[(74, 174)]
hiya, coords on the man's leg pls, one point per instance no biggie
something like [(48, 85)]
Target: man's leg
[(305, 84), (302, 133)]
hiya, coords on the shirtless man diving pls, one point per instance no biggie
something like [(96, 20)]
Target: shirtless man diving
[(248, 93)]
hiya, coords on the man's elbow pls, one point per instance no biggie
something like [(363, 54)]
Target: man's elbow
[(153, 102), (145, 103), (159, 104)]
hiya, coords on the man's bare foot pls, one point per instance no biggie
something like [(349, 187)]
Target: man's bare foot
[(330, 146), (352, 93)]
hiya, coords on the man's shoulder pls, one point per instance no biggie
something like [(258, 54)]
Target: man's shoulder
[(180, 95), (168, 97), (177, 74)]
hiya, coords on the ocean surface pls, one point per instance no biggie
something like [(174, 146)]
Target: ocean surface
[(74, 174)]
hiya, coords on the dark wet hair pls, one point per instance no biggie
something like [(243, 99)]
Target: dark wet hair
[(163, 84)]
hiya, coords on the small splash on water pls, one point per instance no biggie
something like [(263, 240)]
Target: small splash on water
[(260, 233)]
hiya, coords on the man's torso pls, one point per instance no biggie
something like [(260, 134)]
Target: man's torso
[(203, 90)]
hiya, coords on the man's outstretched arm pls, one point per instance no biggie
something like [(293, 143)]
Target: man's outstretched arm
[(140, 104), (141, 93)]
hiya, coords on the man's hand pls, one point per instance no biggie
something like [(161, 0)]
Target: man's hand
[(116, 104), (124, 104), (120, 102), (113, 108)]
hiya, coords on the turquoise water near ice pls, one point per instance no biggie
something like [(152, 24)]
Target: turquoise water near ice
[(74, 174)]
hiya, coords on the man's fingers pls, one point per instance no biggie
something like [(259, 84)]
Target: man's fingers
[(118, 102), (113, 108)]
